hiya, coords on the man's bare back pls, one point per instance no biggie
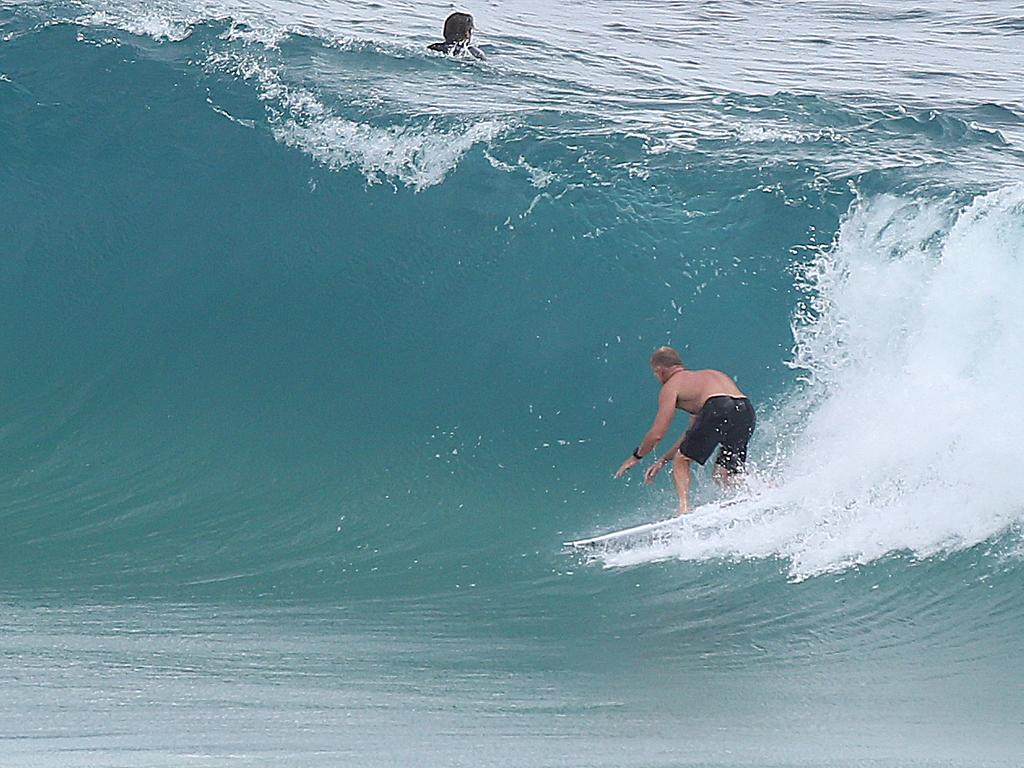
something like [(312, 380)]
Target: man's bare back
[(693, 388), (721, 415)]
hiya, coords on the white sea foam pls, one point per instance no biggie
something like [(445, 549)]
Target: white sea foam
[(912, 343), (417, 154), (148, 23), (539, 177), (787, 134), (173, 21)]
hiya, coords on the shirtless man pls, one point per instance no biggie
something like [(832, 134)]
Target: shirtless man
[(720, 414)]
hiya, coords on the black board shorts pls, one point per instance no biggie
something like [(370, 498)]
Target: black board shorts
[(726, 421)]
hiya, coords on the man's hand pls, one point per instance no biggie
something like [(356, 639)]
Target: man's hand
[(653, 470), (627, 465)]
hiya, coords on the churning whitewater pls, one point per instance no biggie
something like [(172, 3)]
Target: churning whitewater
[(910, 318)]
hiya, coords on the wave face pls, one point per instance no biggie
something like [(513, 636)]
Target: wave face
[(272, 330)]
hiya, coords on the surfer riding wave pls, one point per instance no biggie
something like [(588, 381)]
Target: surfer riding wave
[(721, 415)]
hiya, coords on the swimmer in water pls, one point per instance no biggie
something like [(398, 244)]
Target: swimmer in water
[(458, 33)]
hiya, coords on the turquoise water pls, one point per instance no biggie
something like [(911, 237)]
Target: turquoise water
[(316, 347)]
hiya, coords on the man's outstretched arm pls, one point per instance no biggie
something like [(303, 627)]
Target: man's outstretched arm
[(667, 457), (662, 421)]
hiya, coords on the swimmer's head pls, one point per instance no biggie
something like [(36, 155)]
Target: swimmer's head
[(458, 28)]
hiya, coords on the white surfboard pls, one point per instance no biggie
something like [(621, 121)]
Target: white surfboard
[(639, 535), (647, 534)]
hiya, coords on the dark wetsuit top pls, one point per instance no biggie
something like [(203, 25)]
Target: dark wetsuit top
[(457, 49), (724, 420)]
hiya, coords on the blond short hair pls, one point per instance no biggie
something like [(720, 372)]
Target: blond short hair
[(665, 357)]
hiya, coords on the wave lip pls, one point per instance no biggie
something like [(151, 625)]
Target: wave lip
[(418, 156), (416, 153)]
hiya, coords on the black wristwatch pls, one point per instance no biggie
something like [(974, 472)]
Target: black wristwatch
[(636, 454)]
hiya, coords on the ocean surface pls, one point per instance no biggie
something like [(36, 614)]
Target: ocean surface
[(315, 347)]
